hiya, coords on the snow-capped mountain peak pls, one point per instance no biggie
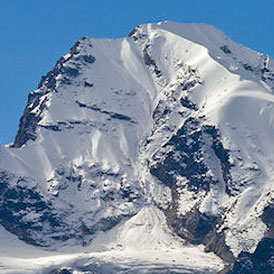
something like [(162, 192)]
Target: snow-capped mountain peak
[(167, 132)]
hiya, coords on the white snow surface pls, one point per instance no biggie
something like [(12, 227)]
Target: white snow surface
[(233, 98), (141, 244)]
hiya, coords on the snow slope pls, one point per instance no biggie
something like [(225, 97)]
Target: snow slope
[(136, 137), (141, 244)]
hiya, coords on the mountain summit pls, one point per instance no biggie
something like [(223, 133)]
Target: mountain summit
[(152, 154)]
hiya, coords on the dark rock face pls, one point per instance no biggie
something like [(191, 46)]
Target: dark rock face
[(193, 227), (111, 114), (268, 219), (70, 68), (63, 271), (261, 261), (87, 84), (222, 154), (248, 67), (136, 34), (29, 120), (185, 102), (185, 155), (24, 212), (226, 49), (149, 61), (187, 143)]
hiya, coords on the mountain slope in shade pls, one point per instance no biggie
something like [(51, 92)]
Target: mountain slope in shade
[(161, 142)]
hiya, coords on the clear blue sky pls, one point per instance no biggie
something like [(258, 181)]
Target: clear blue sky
[(35, 33)]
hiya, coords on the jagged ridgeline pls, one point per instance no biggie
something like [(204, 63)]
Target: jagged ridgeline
[(160, 142)]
